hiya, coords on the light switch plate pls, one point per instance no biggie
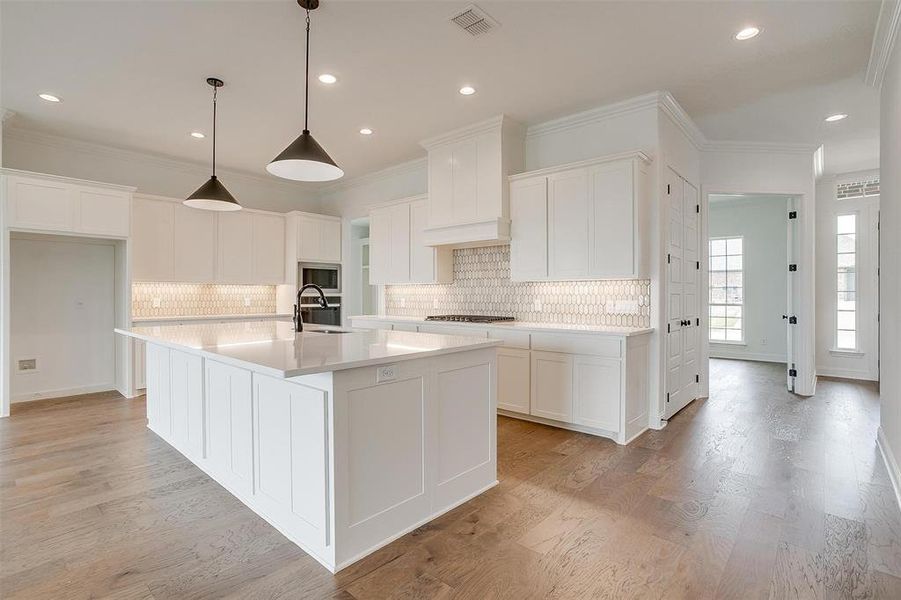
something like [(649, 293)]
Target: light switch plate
[(386, 373)]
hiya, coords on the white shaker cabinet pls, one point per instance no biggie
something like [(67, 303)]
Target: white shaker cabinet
[(37, 202), (229, 409), (318, 238), (235, 247), (153, 239), (268, 249), (513, 383), (552, 385), (428, 264), (594, 224), (595, 380), (398, 253), (194, 234)]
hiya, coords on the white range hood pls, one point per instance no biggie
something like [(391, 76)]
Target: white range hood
[(468, 189)]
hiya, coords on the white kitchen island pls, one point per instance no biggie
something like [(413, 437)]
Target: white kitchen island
[(343, 442)]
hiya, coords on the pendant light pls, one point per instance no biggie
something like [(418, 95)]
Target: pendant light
[(212, 195), (304, 159)]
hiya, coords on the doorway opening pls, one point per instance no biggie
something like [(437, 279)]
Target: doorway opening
[(750, 284), (361, 297)]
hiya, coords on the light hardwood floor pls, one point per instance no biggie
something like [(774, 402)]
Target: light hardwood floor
[(754, 493)]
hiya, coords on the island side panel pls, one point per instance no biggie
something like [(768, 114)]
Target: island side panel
[(413, 439)]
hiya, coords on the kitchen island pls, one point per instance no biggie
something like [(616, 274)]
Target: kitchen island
[(343, 441)]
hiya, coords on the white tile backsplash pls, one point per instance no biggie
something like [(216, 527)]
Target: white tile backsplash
[(190, 299), (482, 286)]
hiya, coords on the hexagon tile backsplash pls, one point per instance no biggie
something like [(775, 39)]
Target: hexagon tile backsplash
[(482, 286), (196, 299)]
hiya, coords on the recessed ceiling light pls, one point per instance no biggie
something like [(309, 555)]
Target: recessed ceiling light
[(328, 78), (366, 131), (747, 33), (198, 135), (467, 90), (836, 117), (49, 97)]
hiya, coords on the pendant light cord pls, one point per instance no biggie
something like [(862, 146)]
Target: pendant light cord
[(306, 91), (215, 90)]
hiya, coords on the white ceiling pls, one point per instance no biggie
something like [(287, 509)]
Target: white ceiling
[(131, 74)]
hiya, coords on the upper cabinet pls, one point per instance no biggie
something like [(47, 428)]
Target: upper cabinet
[(585, 220), (468, 199), (398, 253), (318, 238), (49, 203), (173, 242)]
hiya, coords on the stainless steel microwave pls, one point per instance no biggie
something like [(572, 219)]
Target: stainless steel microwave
[(326, 276)]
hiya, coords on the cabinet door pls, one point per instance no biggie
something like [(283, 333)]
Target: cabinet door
[(528, 230), (139, 360), (568, 215), (465, 182), (380, 246), (513, 385), (152, 240), (159, 407), (552, 385), (268, 249), (422, 257), (441, 186), (330, 241), (103, 212), (194, 232), (309, 239), (597, 397), (38, 204), (400, 243), (186, 376), (235, 247), (230, 425), (613, 221)]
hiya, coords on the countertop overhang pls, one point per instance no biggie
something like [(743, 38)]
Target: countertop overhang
[(274, 348), (516, 325)]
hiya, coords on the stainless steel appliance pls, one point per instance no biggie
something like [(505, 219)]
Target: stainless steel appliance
[(312, 312), (468, 318), (326, 276)]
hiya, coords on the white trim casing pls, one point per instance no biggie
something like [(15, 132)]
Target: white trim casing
[(886, 34)]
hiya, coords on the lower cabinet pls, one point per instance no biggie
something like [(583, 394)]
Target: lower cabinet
[(159, 403), (186, 402), (513, 383), (229, 405), (552, 385), (597, 390)]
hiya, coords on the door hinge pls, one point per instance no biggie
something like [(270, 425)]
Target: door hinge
[(668, 259), (698, 322), (667, 396), (792, 267), (698, 265), (667, 328), (792, 372), (698, 208), (697, 379), (667, 188), (792, 214)]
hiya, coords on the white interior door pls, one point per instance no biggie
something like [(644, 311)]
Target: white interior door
[(683, 317), (791, 310)]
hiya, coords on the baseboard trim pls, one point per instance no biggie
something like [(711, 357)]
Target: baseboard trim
[(845, 374), (891, 464), (737, 355), (64, 392)]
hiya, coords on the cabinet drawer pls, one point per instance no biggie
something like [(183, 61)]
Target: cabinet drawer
[(400, 326), (577, 343), (453, 330), (512, 339), (369, 324)]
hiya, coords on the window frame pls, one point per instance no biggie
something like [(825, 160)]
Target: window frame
[(743, 340), (856, 213)]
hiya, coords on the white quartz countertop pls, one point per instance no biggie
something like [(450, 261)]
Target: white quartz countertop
[(274, 348), (239, 317), (519, 325)]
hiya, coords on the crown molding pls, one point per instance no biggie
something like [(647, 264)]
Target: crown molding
[(681, 119), (582, 164), (398, 170), (59, 142), (887, 28), (760, 147), (499, 122), (70, 180), (594, 115)]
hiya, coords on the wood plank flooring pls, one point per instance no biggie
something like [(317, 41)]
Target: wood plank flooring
[(754, 493)]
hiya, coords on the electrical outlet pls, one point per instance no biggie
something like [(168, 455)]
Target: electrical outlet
[(157, 303), (246, 300), (386, 373), (28, 364), (763, 342)]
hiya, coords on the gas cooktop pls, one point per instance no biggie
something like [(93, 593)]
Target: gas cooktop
[(468, 318)]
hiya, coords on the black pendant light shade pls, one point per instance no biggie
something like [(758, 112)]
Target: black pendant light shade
[(304, 159), (212, 195)]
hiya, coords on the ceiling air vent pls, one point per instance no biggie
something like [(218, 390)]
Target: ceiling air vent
[(475, 21)]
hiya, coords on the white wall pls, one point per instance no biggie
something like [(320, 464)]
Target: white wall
[(760, 220), (890, 251), (151, 174), (62, 314), (777, 170), (863, 364)]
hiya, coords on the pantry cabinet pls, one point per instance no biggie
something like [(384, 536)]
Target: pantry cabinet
[(397, 249), (581, 221), (49, 203)]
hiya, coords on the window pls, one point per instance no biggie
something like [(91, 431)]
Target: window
[(857, 189), (846, 288), (726, 290)]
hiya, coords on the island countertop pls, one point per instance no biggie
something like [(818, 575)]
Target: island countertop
[(274, 348)]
